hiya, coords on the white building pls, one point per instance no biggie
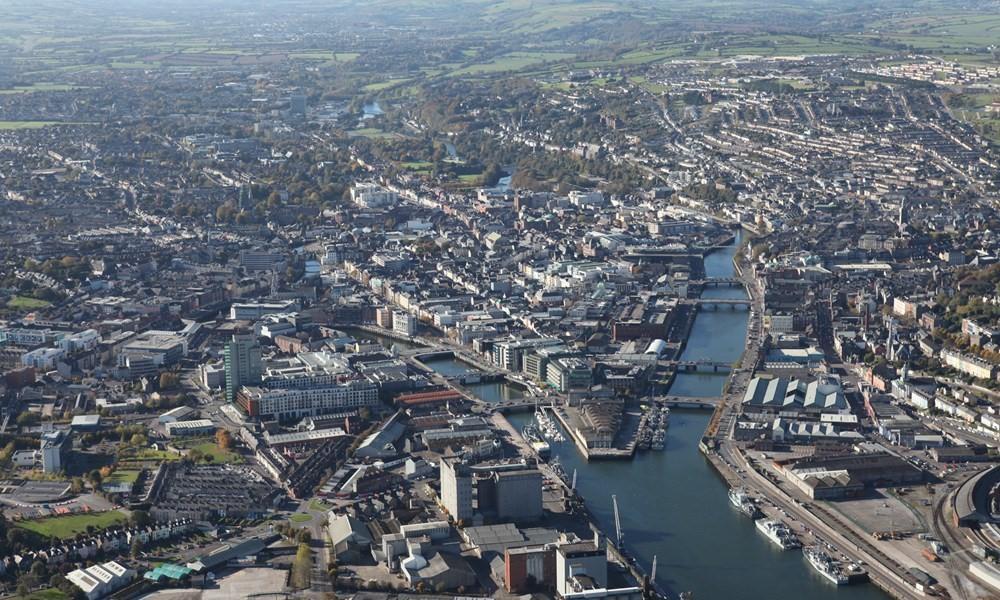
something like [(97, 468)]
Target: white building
[(101, 580), (371, 195), (404, 323), (295, 403)]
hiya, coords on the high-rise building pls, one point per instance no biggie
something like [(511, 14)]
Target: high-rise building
[(456, 488), (243, 364), (54, 448), (297, 105)]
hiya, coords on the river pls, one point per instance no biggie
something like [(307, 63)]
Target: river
[(674, 506)]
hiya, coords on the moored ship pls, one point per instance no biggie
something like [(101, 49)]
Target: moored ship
[(745, 503), (537, 442), (781, 535), (826, 565)]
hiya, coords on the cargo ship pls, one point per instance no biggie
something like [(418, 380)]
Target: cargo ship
[(781, 535)]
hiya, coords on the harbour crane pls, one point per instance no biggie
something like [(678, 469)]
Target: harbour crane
[(618, 522)]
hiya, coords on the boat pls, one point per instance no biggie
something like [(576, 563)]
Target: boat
[(548, 428), (780, 534), (825, 565), (741, 500), (536, 441)]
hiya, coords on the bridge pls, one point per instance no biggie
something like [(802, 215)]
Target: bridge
[(705, 366), (689, 402), (710, 282), (474, 377), (718, 303)]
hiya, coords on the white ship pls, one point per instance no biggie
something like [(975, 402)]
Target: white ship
[(780, 534), (744, 502), (547, 426), (826, 566), (535, 439)]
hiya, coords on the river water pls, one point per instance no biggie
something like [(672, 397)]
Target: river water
[(673, 505)]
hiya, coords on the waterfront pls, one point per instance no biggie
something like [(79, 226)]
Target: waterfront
[(490, 392), (674, 506)]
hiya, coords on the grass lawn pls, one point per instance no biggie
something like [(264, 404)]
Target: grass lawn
[(26, 124), (39, 87), (372, 133), (150, 454), (317, 504), (70, 525), (300, 518), (124, 476), (384, 85), (49, 594), (219, 456), (26, 303)]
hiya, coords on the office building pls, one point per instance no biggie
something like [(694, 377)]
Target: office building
[(55, 448), (243, 364), (404, 323)]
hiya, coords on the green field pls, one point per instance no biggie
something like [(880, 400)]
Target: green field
[(8, 125), (26, 303), (141, 454), (49, 594), (218, 454), (300, 518), (70, 525), (384, 85), (372, 133), (123, 476), (317, 504), (39, 87), (514, 61)]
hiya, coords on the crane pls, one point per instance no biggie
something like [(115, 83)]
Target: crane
[(618, 522)]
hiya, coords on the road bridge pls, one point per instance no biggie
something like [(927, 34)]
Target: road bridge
[(701, 366), (716, 282), (697, 402), (719, 303)]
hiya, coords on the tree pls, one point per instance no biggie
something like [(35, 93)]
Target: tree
[(302, 568), (94, 477), (136, 547), (168, 381), (138, 440), (224, 439), (38, 570), (140, 518)]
